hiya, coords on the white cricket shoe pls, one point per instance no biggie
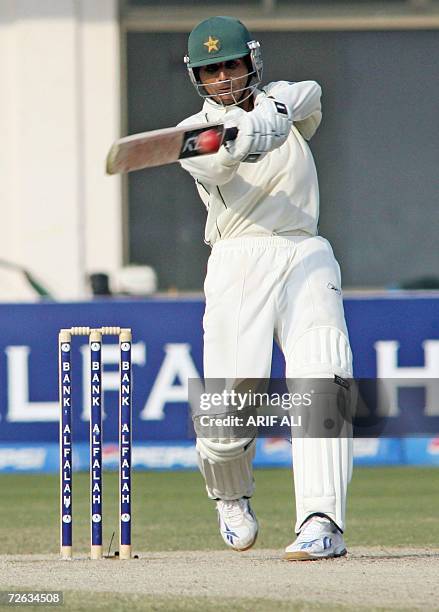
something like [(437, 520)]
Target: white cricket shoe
[(237, 523), (318, 539)]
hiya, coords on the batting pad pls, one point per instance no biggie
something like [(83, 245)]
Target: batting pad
[(323, 465), (320, 352), (227, 467), (322, 471)]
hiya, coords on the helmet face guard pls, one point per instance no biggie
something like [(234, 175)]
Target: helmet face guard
[(254, 78)]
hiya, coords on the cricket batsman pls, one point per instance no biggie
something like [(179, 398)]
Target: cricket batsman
[(270, 275)]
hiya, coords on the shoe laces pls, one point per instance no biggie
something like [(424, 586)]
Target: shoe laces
[(233, 511)]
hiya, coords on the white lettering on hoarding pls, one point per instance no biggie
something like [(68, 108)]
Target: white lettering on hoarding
[(390, 375), (177, 364), (21, 409)]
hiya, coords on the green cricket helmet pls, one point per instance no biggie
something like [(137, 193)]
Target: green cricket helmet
[(220, 39)]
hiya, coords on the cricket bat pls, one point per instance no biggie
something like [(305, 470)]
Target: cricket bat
[(166, 146)]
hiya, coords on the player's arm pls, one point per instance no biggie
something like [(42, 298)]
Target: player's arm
[(216, 169), (258, 132), (303, 100)]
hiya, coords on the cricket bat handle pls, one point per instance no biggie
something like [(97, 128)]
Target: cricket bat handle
[(230, 134)]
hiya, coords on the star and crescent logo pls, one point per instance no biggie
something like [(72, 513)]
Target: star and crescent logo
[(212, 44)]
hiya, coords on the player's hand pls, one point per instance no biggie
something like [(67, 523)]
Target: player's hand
[(260, 131)]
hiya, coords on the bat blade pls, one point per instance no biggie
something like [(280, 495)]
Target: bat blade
[(158, 147)]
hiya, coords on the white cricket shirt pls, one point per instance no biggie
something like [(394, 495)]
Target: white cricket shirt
[(278, 195)]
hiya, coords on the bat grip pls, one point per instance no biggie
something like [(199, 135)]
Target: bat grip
[(230, 134)]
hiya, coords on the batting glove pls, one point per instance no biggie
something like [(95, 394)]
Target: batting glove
[(260, 131)]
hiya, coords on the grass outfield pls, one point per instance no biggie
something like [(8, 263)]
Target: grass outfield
[(386, 507)]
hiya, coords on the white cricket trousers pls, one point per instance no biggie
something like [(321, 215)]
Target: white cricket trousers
[(289, 289)]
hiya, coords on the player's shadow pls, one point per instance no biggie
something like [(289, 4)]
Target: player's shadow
[(389, 556)]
